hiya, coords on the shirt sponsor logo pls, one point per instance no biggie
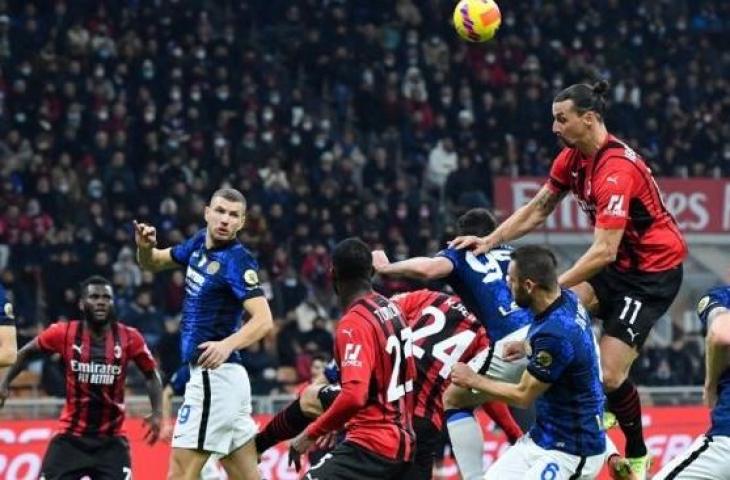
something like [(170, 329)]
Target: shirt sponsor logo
[(352, 355), (95, 373)]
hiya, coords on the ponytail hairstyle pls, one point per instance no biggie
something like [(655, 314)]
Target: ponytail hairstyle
[(586, 98)]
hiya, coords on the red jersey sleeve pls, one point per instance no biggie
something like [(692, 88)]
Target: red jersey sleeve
[(559, 180), (52, 338), (613, 189), (138, 351), (355, 354)]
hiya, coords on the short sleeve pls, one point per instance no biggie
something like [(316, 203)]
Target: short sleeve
[(355, 348), (7, 315), (52, 338), (559, 180), (242, 275), (452, 254), (139, 352), (549, 358), (707, 304), (181, 253), (613, 191)]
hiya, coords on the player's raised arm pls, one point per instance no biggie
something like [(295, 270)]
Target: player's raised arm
[(524, 220), (602, 252), (29, 349), (148, 255), (422, 268)]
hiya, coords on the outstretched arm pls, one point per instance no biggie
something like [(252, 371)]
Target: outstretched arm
[(602, 252), (421, 268), (148, 255), (521, 395), (524, 220)]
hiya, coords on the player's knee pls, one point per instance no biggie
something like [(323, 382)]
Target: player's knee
[(613, 378), (309, 401)]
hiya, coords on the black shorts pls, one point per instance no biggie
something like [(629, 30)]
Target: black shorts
[(630, 303), (352, 462), (101, 458), (428, 440)]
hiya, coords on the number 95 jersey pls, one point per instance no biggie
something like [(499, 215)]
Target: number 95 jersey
[(480, 282)]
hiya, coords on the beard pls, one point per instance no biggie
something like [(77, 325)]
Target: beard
[(565, 143)]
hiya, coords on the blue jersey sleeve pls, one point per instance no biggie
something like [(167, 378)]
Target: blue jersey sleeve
[(715, 298), (550, 356), (181, 253), (179, 379), (242, 275), (455, 256), (7, 316)]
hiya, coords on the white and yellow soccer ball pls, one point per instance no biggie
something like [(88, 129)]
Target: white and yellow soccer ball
[(477, 20)]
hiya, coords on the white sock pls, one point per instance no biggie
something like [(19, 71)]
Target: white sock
[(467, 444)]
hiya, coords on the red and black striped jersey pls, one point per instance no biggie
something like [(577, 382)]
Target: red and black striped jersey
[(617, 190), (444, 332), (96, 372), (373, 349)]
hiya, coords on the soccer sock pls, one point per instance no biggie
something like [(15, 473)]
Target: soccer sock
[(624, 403), (466, 442), (501, 415), (286, 424)]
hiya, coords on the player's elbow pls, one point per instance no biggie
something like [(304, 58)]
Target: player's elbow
[(717, 336), (266, 324)]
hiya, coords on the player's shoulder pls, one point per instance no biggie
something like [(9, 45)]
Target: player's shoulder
[(237, 254), (129, 330), (451, 253), (565, 158), (198, 238)]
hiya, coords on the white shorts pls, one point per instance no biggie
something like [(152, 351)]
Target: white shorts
[(525, 460), (490, 359), (707, 459), (216, 413)]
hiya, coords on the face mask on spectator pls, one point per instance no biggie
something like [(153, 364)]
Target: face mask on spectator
[(195, 96), (268, 115), (267, 137), (200, 54), (295, 139), (222, 94), (149, 117), (219, 142), (103, 115), (275, 98), (175, 95)]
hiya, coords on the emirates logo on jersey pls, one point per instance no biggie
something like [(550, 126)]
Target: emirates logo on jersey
[(95, 373)]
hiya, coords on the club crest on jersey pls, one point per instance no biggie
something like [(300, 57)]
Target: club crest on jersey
[(251, 277), (213, 267), (702, 305), (544, 359), (8, 309), (117, 351)]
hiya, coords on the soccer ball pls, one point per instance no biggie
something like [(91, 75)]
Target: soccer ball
[(477, 20)]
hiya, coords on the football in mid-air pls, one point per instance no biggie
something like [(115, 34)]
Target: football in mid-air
[(477, 20)]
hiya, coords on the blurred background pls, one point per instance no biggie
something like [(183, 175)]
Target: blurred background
[(335, 118)]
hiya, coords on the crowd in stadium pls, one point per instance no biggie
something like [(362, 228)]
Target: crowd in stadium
[(334, 118)]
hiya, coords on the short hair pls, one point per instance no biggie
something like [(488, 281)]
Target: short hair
[(94, 280), (230, 194), (352, 260), (538, 264), (477, 221), (586, 98)]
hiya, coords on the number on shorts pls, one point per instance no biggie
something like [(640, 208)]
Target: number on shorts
[(628, 303), (398, 387), (127, 472), (550, 472), (183, 414)]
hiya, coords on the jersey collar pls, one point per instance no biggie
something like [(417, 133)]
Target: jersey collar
[(551, 308)]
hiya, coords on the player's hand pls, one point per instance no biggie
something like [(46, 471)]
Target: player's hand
[(512, 351), (166, 431), (214, 354), (299, 446), (476, 244), (709, 395), (380, 260), (327, 441), (4, 394), (145, 235), (152, 421), (463, 376)]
